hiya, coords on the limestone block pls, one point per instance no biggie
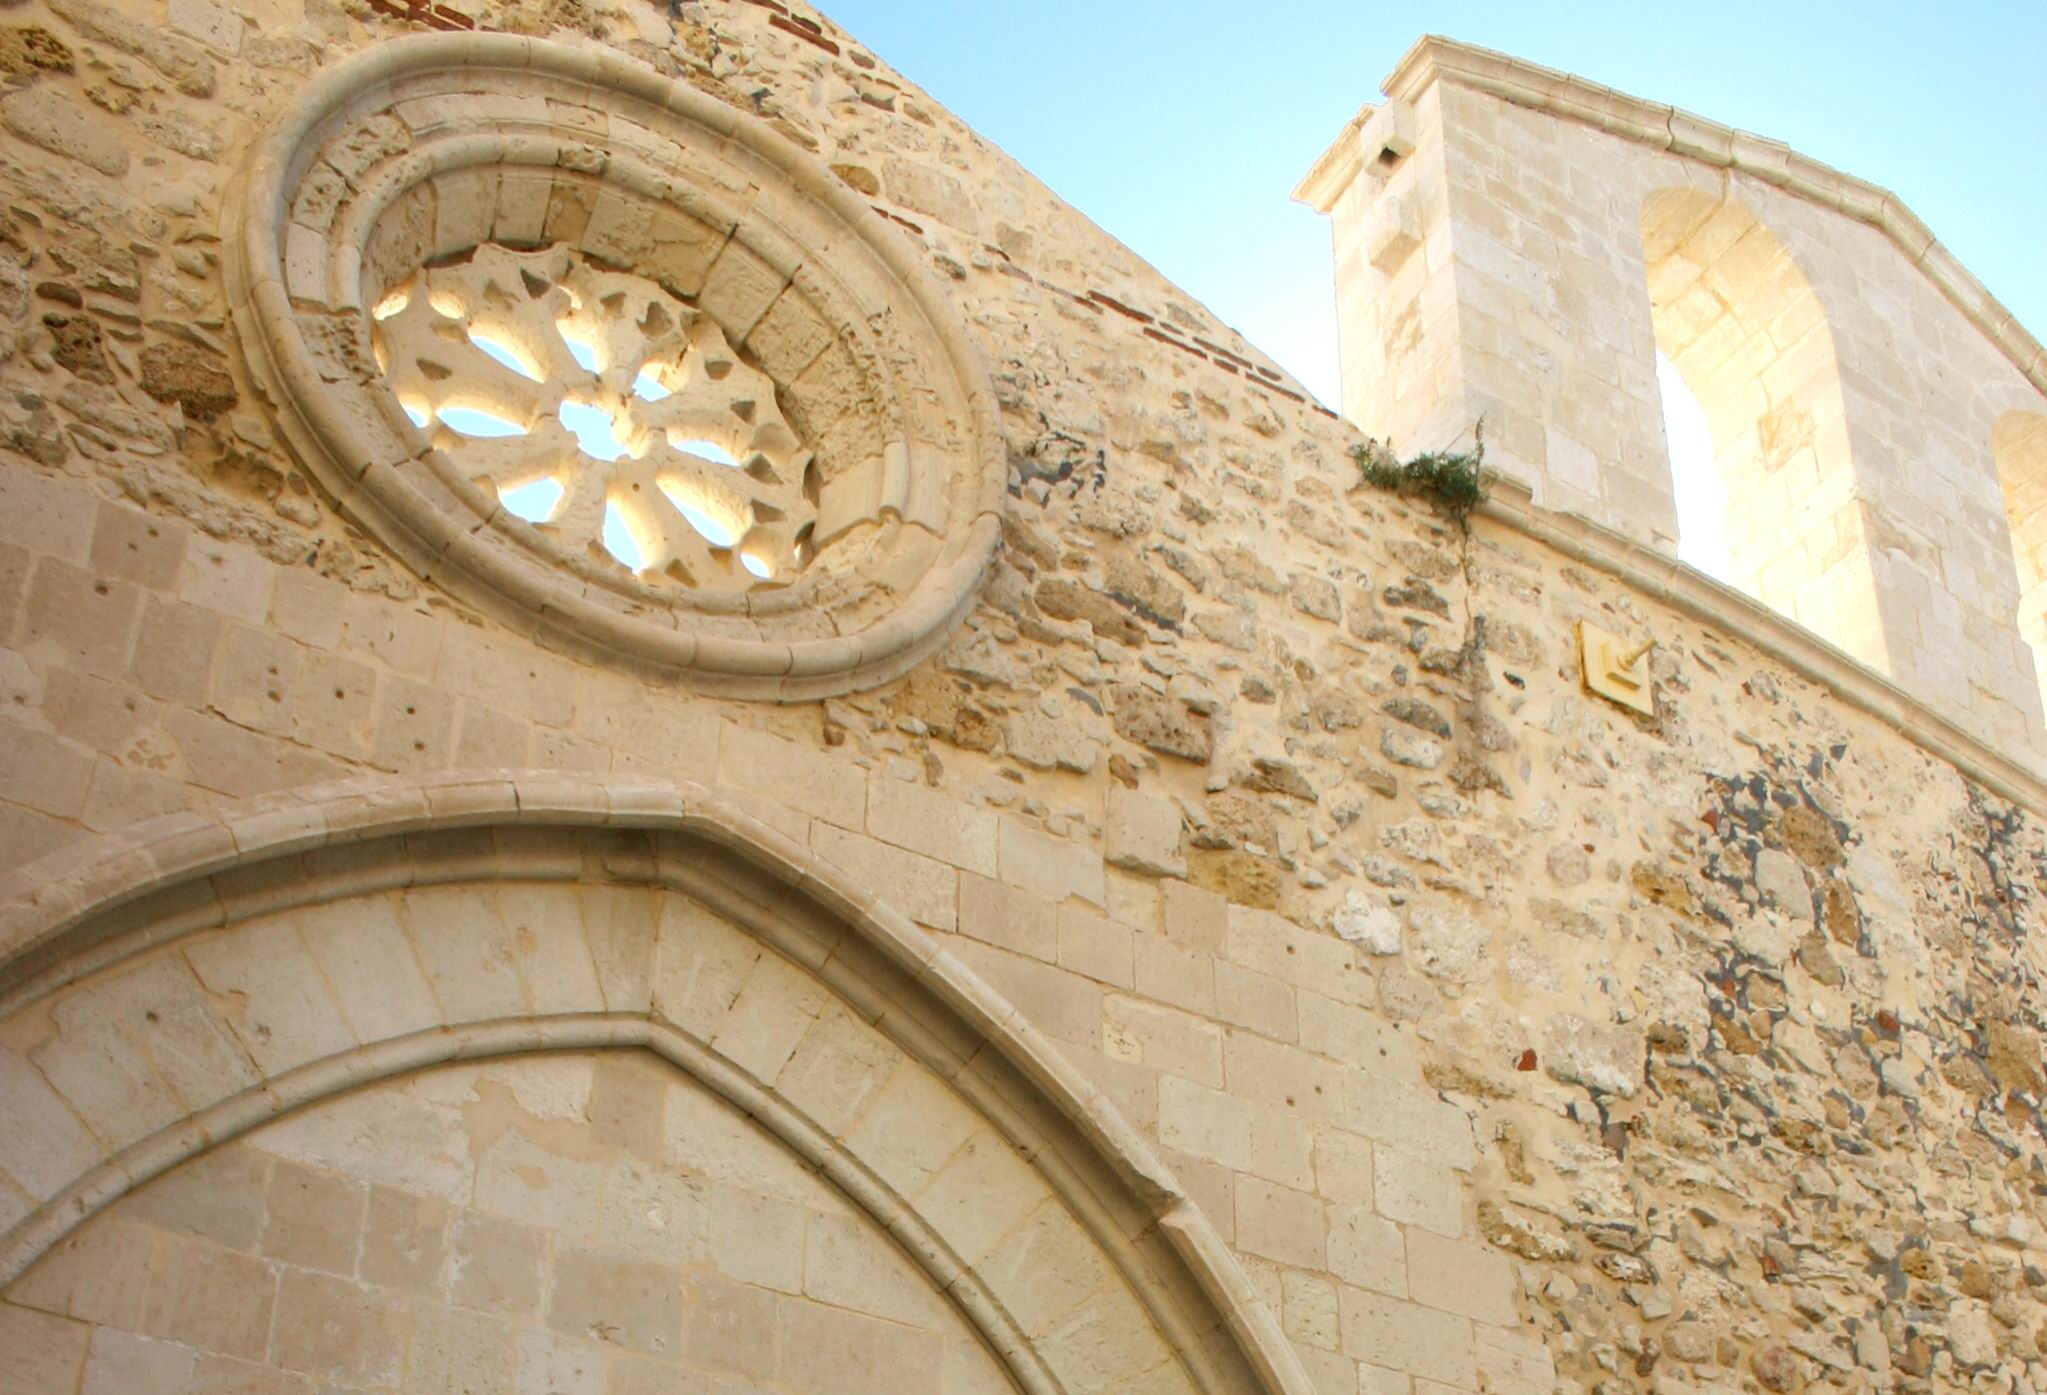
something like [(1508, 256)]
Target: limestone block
[(1054, 868), (1274, 946), (256, 675), (1044, 1269), (230, 581), (914, 1125), (494, 1265), (826, 1348), (1449, 944), (52, 516), (1329, 1372), (1308, 1310), (1205, 1122), (1600, 1056), (214, 1195), (619, 224), (701, 963), (1284, 1077), (469, 950), (100, 1274), (925, 890), (452, 1350), (840, 1062), (769, 1017), (404, 1239), (731, 1328), (739, 288), (1096, 946), (369, 960), (1367, 1250), (64, 126), (330, 1329), (1393, 233), (1417, 1191), (124, 1363), (76, 620), (980, 1195), (315, 1218), (1254, 1000), (789, 336), (134, 546), (1410, 748), (758, 1239), (1008, 916), (517, 677), (632, 1302), (211, 1298), (928, 190), (1460, 1276), (101, 1076), (931, 823), (45, 1353), (1360, 1037), (553, 958), (1515, 1362), (1043, 741), (1280, 1224), (1175, 976), (806, 780), (1106, 1344), (1163, 1038), (521, 210), (1365, 921), (1141, 833), (1423, 1342), (848, 1263)]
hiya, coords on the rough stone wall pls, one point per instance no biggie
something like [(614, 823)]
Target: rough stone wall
[(1512, 1043)]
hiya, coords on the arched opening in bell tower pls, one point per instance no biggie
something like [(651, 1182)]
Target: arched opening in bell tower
[(2018, 441), (1766, 500)]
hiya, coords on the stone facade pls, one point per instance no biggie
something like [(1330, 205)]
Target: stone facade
[(1205, 938)]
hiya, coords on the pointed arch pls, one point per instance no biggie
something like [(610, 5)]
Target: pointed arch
[(1740, 323), (276, 908), (2018, 442)]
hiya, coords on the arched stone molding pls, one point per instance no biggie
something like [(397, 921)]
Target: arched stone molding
[(87, 921), (2018, 442), (107, 906), (876, 500)]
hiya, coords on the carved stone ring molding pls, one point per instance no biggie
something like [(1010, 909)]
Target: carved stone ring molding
[(454, 242)]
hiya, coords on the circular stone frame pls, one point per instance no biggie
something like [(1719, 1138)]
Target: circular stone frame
[(376, 171)]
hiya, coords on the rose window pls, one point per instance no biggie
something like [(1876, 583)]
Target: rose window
[(617, 364), (603, 411)]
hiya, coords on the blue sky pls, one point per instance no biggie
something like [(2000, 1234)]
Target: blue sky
[(1182, 127)]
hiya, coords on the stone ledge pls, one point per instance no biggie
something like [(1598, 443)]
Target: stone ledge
[(1666, 580)]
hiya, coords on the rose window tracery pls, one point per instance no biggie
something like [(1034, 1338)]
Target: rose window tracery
[(617, 363), (604, 411)]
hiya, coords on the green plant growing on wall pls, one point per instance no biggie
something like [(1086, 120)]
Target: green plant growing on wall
[(1456, 480)]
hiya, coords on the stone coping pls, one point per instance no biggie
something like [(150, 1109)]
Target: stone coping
[(55, 914), (1664, 127), (378, 494), (1687, 589)]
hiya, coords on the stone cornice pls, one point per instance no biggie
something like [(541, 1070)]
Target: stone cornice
[(1664, 127), (1686, 589)]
